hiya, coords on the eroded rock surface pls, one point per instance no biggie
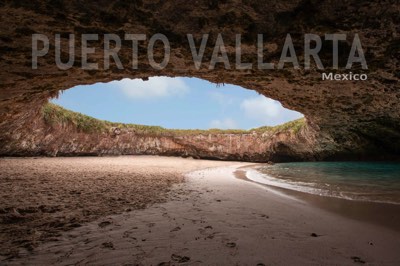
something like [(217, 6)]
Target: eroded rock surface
[(354, 119), (55, 131)]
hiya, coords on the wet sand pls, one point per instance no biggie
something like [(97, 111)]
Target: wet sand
[(216, 219), (382, 214)]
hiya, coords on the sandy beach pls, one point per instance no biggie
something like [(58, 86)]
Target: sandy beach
[(43, 197), (172, 211)]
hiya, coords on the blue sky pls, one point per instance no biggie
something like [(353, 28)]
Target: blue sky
[(176, 103)]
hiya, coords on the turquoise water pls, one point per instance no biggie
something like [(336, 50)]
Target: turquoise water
[(366, 181)]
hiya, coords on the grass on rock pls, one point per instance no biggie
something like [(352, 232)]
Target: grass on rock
[(54, 114)]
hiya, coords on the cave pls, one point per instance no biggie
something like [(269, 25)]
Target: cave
[(344, 119), (323, 189)]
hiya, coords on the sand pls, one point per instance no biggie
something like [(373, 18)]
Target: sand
[(42, 197), (213, 218), (383, 214)]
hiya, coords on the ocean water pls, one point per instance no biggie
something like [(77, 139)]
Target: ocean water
[(364, 181)]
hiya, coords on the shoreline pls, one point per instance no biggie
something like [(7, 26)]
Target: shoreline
[(214, 218), (378, 213)]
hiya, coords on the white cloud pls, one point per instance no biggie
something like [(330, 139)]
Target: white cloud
[(260, 107), (155, 87), (226, 123), (221, 98), (267, 111)]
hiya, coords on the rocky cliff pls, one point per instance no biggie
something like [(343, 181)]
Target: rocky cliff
[(345, 119), (55, 131)]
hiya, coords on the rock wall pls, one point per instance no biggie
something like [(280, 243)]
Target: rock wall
[(64, 138), (345, 118)]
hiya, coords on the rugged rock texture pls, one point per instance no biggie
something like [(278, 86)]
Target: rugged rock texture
[(345, 118), (60, 132)]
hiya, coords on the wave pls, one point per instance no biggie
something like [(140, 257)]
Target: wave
[(325, 185)]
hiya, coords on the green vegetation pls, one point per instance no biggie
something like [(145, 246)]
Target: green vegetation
[(294, 125), (55, 115)]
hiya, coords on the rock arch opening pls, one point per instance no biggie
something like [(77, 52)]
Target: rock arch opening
[(56, 131), (176, 103), (345, 118)]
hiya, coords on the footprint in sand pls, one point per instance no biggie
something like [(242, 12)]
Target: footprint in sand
[(108, 245), (206, 232), (104, 224), (179, 259), (358, 260), (128, 234), (164, 264), (231, 244), (176, 229), (150, 225), (210, 236), (262, 215)]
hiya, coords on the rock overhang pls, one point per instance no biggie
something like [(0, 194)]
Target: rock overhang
[(351, 116)]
